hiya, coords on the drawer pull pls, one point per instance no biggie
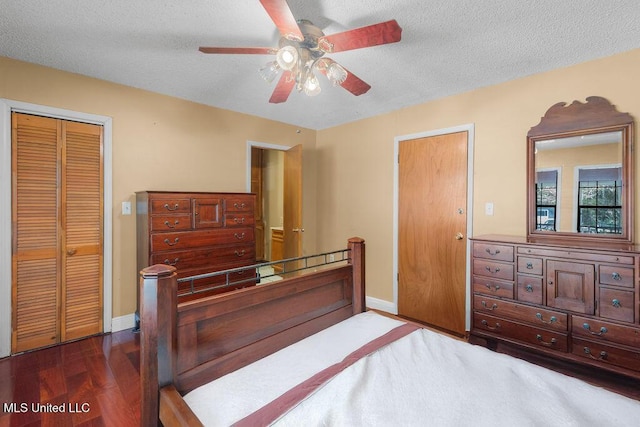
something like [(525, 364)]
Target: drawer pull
[(552, 320), (169, 208), (495, 288), (239, 205), (239, 236), (547, 343), (492, 253), (176, 222), (175, 261), (175, 241), (493, 307), (616, 303), (603, 354), (239, 220), (529, 266), (240, 253), (493, 272), (603, 330), (486, 324), (616, 276), (528, 288)]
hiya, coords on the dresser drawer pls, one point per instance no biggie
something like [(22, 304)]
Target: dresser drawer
[(617, 276), (238, 220), (598, 330), (172, 222), (530, 289), (215, 256), (239, 204), (161, 242), (617, 304), (530, 265), (170, 205), (485, 285), (575, 255), (522, 313), (495, 270), (493, 251), (517, 331), (606, 354)]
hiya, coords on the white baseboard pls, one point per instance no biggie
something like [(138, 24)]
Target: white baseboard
[(382, 305), (123, 322)]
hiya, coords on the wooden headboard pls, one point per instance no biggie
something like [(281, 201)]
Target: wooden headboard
[(189, 344)]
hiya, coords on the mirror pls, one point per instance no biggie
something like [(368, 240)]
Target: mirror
[(580, 177)]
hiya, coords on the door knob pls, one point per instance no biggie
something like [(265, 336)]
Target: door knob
[(71, 251), (298, 230), (459, 236)]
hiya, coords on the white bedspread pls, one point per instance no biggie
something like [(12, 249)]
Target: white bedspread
[(423, 379)]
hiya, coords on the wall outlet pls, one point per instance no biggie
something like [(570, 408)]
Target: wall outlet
[(488, 208), (126, 208), (332, 257)]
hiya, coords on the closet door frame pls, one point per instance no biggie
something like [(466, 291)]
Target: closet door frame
[(8, 106)]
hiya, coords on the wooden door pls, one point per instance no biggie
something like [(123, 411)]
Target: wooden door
[(292, 210), (57, 246), (432, 219), (256, 188)]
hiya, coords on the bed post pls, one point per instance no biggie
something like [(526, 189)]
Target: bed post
[(356, 258), (158, 299)]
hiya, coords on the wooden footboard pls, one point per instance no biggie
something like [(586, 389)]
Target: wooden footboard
[(189, 344)]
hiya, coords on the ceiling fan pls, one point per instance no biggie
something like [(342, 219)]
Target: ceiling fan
[(301, 50)]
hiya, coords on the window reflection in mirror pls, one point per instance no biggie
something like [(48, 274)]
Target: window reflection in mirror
[(579, 183)]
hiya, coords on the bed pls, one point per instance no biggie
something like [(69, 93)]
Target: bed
[(304, 351)]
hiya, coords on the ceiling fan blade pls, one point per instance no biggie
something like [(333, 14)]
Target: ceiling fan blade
[(372, 35), (240, 50), (354, 85), (282, 16), (283, 88)]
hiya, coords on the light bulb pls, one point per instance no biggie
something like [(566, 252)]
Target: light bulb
[(312, 86), (336, 74), (287, 57), (269, 71)]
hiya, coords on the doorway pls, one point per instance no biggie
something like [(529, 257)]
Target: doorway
[(275, 176), (432, 209)]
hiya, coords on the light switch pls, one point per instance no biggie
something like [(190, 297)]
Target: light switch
[(126, 208), (488, 208)]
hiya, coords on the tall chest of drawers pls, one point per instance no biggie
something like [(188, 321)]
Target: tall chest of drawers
[(197, 233), (573, 303)]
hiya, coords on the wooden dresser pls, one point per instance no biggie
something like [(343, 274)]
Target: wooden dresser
[(573, 303), (197, 233)]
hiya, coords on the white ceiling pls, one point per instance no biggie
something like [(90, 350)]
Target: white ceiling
[(447, 47)]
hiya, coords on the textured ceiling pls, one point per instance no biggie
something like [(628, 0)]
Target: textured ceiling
[(447, 47)]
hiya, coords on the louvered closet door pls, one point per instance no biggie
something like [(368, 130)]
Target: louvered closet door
[(57, 231), (36, 270), (82, 226)]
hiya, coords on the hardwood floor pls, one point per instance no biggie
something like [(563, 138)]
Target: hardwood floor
[(94, 381)]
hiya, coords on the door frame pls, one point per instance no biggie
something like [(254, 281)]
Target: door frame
[(7, 106), (469, 128), (262, 145)]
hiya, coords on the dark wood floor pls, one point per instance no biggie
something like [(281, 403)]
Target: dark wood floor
[(95, 380)]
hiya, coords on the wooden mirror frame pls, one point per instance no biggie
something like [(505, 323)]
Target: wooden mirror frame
[(597, 115)]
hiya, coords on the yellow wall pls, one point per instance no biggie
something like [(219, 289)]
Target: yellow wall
[(159, 143), (355, 161), (170, 144)]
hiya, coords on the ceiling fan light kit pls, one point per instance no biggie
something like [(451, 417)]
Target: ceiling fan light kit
[(301, 50)]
